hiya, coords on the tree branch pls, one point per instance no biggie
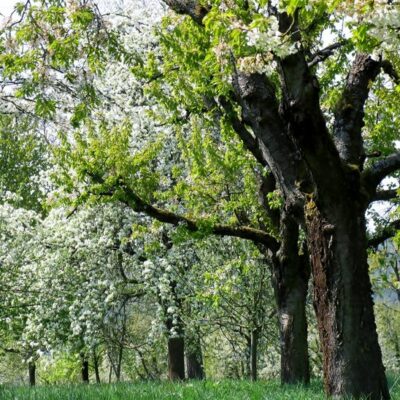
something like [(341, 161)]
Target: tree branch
[(349, 114), (385, 233), (251, 143), (162, 215), (136, 203), (323, 54), (384, 195), (380, 170), (259, 109), (388, 69)]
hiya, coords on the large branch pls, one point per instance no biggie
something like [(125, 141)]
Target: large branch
[(307, 126), (349, 113), (259, 110), (252, 143), (385, 195), (373, 176), (245, 232), (385, 233)]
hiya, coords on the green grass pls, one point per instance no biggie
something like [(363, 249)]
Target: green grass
[(209, 390)]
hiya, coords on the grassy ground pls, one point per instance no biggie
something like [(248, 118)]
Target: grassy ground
[(224, 390)]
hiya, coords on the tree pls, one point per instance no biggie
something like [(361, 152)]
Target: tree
[(260, 65), (259, 68), (18, 294), (290, 286)]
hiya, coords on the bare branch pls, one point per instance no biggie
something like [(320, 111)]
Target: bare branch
[(323, 54)]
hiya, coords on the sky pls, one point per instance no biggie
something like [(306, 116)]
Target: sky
[(6, 6)]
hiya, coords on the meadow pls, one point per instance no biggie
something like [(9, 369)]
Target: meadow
[(203, 390)]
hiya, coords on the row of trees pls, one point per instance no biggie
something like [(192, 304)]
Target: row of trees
[(226, 121)]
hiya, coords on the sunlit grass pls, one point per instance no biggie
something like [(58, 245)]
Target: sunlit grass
[(208, 390)]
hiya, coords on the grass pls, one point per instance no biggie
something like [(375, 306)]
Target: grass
[(208, 390)]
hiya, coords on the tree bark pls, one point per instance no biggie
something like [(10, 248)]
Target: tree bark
[(194, 359), (253, 355), (119, 363), (343, 302), (176, 358), (96, 366), (32, 373), (291, 275), (85, 369)]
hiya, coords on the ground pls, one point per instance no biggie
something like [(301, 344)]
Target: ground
[(209, 390)]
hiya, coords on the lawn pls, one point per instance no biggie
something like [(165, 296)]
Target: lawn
[(209, 390)]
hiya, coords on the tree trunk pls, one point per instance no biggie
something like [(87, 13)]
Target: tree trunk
[(32, 373), (96, 366), (85, 369), (176, 358), (290, 275), (397, 350), (343, 302), (253, 354), (119, 363), (194, 359)]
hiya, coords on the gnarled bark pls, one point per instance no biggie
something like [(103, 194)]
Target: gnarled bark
[(343, 303)]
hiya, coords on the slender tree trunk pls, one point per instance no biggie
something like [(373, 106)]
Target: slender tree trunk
[(291, 275), (247, 357), (397, 350), (32, 373), (85, 369), (119, 363), (343, 302), (254, 354), (194, 359), (96, 366)]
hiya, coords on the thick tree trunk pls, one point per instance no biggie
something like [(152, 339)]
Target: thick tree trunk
[(343, 302), (291, 275), (32, 373), (176, 358), (254, 354), (85, 369), (194, 359)]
